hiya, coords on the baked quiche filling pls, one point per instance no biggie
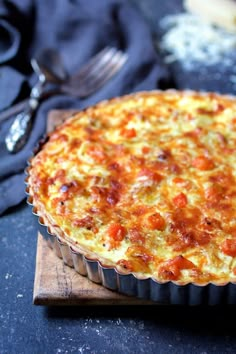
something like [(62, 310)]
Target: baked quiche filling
[(145, 183)]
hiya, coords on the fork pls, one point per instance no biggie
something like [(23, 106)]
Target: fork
[(88, 80), (95, 73)]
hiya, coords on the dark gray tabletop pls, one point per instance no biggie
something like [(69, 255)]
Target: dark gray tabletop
[(25, 328)]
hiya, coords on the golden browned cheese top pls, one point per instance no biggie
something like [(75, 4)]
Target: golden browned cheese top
[(146, 183)]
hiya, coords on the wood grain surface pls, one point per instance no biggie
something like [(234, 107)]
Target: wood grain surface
[(58, 284)]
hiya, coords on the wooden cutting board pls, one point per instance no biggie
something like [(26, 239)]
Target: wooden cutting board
[(57, 284)]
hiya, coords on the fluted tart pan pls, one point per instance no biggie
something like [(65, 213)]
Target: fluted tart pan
[(147, 185)]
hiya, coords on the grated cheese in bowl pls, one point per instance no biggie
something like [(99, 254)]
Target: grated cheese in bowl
[(190, 41)]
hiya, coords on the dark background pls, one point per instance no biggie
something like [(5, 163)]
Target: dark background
[(25, 328)]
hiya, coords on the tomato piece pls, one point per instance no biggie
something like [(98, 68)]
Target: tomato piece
[(145, 149), (141, 210), (228, 247), (183, 263), (156, 222), (203, 163), (202, 238), (128, 133), (117, 232), (234, 270), (171, 268), (86, 222), (126, 264), (179, 180), (180, 200), (214, 193), (139, 252), (136, 236)]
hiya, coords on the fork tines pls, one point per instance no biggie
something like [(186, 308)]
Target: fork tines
[(97, 71)]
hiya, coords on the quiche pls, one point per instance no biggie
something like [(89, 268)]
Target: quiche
[(146, 184)]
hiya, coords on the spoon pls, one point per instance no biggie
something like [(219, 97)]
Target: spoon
[(49, 68)]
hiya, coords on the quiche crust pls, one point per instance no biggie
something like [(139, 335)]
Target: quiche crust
[(145, 183)]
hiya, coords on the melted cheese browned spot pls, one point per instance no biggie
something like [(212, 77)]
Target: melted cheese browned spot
[(147, 183)]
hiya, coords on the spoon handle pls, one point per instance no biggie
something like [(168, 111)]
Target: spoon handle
[(20, 129)]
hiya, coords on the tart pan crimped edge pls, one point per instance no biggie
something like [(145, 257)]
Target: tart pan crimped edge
[(168, 293), (127, 284)]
